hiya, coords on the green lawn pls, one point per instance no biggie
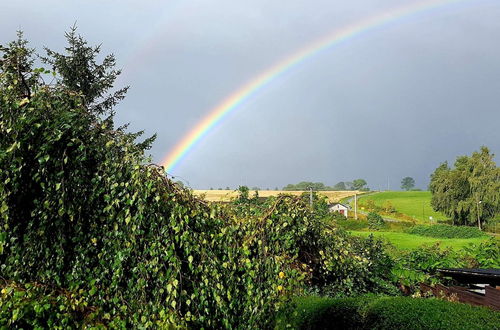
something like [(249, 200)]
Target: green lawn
[(406, 241), (416, 204)]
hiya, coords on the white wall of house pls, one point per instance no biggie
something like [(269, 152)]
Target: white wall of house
[(342, 209)]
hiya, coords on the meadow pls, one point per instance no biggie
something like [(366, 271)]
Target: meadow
[(405, 241), (227, 195), (415, 204)]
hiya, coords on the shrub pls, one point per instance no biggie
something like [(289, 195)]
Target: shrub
[(372, 312), (417, 313), (420, 265), (446, 231), (375, 221), (314, 312), (37, 306)]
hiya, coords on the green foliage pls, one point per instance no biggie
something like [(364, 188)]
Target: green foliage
[(305, 185), (372, 312), (80, 212), (35, 306), (375, 221), (359, 184), (469, 192), (319, 204), (407, 183), (332, 261), (340, 186), (446, 231), (78, 71), (420, 265), (483, 255), (418, 313), (314, 312)]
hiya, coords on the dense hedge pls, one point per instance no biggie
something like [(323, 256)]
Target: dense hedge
[(371, 312), (415, 313), (446, 231)]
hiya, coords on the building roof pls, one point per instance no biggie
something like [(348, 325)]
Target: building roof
[(333, 204), (473, 275)]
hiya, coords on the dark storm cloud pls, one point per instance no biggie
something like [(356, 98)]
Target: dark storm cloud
[(395, 102)]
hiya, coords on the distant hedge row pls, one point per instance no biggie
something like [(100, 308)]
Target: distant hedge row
[(372, 312), (446, 231)]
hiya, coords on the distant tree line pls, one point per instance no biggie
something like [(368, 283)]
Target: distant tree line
[(358, 184)]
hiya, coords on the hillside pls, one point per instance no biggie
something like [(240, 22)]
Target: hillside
[(414, 204)]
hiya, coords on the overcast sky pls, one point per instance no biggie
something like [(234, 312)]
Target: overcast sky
[(394, 102)]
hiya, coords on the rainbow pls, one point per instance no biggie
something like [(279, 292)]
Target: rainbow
[(242, 94)]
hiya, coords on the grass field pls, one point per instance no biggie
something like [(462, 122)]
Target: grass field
[(406, 241), (416, 204), (227, 195)]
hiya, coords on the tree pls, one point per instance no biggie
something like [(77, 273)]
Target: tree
[(358, 184), (340, 186), (469, 193), (79, 71), (407, 183)]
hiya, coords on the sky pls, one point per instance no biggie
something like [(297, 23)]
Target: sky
[(394, 102)]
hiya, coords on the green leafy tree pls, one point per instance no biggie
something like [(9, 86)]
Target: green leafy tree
[(469, 193), (306, 185), (407, 183), (340, 186), (359, 184)]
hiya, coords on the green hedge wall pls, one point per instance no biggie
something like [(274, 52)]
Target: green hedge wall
[(446, 231), (371, 312)]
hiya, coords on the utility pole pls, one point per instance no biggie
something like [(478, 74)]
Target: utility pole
[(356, 206), (387, 183), (311, 197), (478, 220), (423, 213)]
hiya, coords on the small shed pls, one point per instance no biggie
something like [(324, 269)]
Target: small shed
[(338, 207), (479, 287)]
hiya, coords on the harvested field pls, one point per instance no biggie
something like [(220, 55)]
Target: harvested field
[(227, 195)]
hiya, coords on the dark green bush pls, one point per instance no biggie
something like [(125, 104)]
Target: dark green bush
[(375, 221), (417, 313), (34, 306), (313, 312), (372, 312), (446, 231)]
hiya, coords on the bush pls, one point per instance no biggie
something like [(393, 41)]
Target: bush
[(39, 307), (417, 313), (420, 265), (314, 312), (445, 231), (375, 221), (372, 312)]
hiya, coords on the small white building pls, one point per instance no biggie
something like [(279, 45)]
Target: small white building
[(341, 208)]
